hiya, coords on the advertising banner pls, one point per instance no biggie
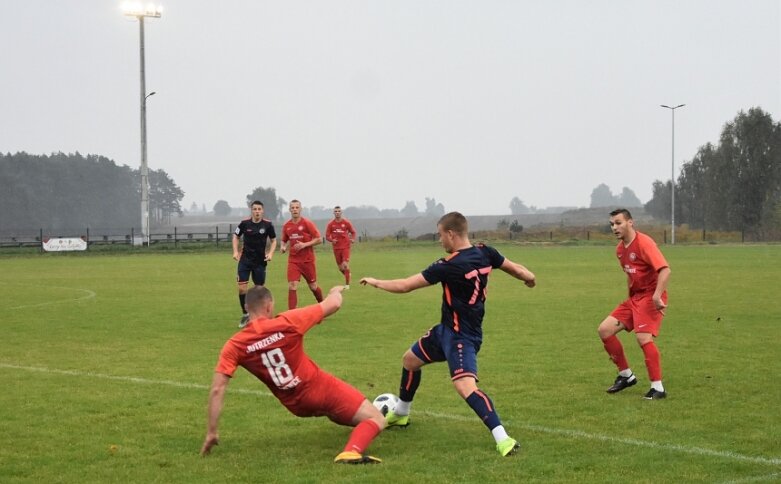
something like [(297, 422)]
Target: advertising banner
[(58, 244)]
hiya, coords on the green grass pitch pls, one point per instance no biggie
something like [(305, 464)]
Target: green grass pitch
[(105, 361)]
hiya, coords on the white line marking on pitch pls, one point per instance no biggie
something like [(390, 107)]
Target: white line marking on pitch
[(767, 477), (89, 295), (532, 428)]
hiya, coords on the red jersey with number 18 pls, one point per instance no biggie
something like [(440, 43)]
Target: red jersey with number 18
[(641, 260), (302, 231), (273, 351)]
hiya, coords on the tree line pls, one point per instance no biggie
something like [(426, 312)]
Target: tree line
[(69, 191), (734, 185)]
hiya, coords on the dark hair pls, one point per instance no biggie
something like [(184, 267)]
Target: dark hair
[(337, 207), (257, 296), (295, 201), (623, 211), (454, 221), (256, 202)]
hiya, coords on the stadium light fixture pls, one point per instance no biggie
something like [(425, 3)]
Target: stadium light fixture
[(141, 11), (672, 187)]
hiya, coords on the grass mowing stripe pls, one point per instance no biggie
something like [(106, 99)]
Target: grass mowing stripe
[(767, 477), (532, 428)]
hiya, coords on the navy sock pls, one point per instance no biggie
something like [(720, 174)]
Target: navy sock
[(242, 297), (484, 408), (410, 381)]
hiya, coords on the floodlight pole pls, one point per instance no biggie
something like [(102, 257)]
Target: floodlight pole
[(672, 178), (140, 12)]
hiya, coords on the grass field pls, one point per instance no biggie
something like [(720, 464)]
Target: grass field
[(105, 362)]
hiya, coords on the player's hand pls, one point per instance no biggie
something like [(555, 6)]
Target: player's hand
[(298, 246), (368, 281), (283, 248), (336, 289), (210, 441), (531, 282), (268, 257), (659, 304), (236, 256)]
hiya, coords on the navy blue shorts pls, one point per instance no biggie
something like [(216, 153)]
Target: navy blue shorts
[(257, 269), (441, 343)]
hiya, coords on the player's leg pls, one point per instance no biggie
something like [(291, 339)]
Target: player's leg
[(343, 261), (619, 320), (426, 350), (345, 405), (648, 321), (242, 280), (293, 276), (462, 362), (309, 271)]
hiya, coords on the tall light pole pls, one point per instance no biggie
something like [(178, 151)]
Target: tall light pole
[(672, 187), (140, 11)]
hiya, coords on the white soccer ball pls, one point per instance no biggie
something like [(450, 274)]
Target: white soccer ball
[(386, 403)]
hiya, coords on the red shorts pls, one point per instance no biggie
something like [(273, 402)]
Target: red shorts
[(639, 314), (342, 255), (328, 396), (296, 270)]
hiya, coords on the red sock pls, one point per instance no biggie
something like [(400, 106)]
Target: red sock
[(318, 294), (347, 277), (652, 361), (616, 352), (361, 436), (292, 299)]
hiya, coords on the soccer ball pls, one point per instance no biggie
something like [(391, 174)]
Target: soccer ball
[(386, 402)]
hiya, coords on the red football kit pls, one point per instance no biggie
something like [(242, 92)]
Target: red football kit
[(641, 260), (302, 262), (273, 351), (340, 233)]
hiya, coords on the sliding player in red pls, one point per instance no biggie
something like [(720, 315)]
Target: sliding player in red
[(271, 348), (647, 275)]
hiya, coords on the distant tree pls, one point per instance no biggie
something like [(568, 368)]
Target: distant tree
[(628, 199), (517, 207), (222, 208), (515, 227), (203, 208), (318, 212), (735, 185), (433, 208), (164, 196), (503, 224), (601, 196), (193, 207), (390, 213), (272, 206), (659, 205), (410, 210), (361, 212)]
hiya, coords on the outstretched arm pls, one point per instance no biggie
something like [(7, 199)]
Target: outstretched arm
[(397, 285), (519, 272), (332, 301), (216, 395)]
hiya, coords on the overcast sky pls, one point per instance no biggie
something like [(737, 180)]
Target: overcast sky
[(368, 102)]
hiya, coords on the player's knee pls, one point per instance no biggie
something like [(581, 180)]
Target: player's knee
[(410, 361)]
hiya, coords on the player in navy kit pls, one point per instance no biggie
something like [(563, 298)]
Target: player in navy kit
[(458, 336), (253, 257)]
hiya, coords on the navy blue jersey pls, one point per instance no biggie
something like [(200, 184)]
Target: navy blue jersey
[(255, 236), (464, 277)]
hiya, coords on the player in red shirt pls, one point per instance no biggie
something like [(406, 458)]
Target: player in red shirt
[(647, 274), (300, 236), (271, 348), (341, 234)]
